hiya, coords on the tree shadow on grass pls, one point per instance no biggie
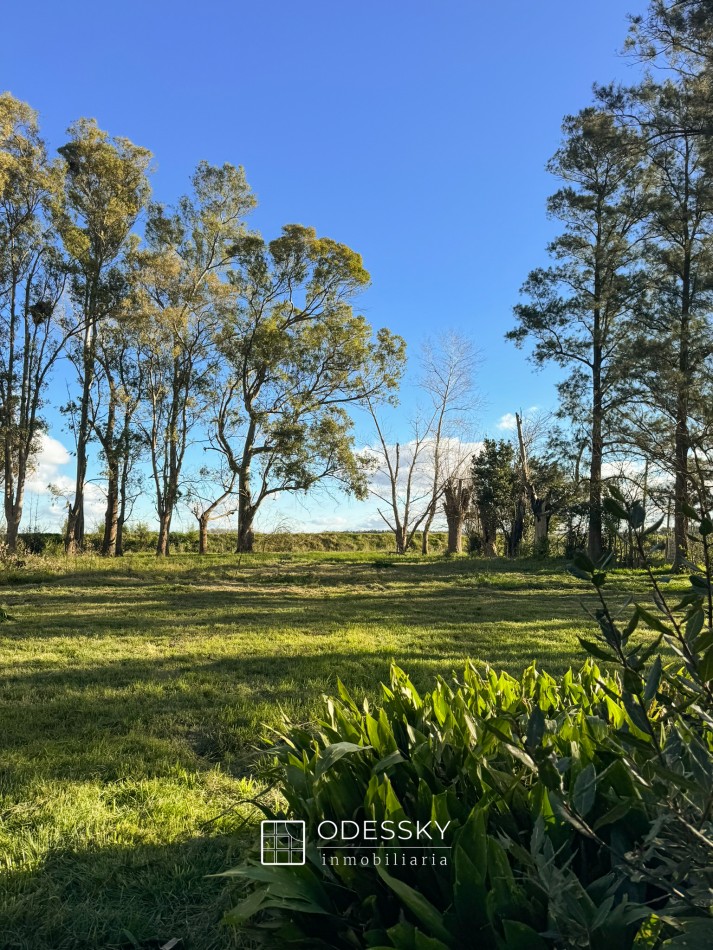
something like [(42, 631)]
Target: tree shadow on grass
[(123, 898), (201, 709)]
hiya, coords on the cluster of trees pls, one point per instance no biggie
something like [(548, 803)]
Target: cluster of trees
[(624, 308), (171, 317), (179, 320), (625, 304)]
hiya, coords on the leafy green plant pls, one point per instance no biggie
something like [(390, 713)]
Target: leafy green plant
[(579, 808)]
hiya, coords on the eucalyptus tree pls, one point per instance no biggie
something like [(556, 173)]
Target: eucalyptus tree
[(31, 285), (105, 189), (296, 356), (580, 308), (118, 388), (185, 298)]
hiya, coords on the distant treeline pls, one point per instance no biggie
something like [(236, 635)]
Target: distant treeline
[(225, 542)]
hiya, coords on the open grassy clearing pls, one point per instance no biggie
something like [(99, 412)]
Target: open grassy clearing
[(133, 693)]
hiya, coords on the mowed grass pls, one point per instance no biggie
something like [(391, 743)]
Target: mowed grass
[(133, 695)]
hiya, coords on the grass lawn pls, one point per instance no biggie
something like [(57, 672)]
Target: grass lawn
[(133, 693)]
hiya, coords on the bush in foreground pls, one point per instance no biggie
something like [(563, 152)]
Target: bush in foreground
[(579, 810)]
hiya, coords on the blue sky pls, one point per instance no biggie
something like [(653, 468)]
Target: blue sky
[(415, 132)]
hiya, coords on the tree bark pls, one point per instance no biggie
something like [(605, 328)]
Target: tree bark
[(74, 538), (682, 435), (123, 487), (594, 535), (164, 530), (111, 515), (203, 534), (246, 510), (456, 506), (401, 535), (13, 517), (514, 539), (538, 506), (489, 529)]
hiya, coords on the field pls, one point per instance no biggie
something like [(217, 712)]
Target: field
[(134, 694)]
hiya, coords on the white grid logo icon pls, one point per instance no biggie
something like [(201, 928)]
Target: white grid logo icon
[(282, 842)]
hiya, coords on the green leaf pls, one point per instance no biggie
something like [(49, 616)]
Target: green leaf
[(521, 937), (615, 509), (697, 935), (535, 728), (638, 515), (653, 680), (694, 624), (705, 667), (248, 907), (652, 621), (595, 650), (652, 529), (333, 753), (393, 758), (582, 561), (584, 791), (636, 713), (422, 942), (421, 909), (619, 811)]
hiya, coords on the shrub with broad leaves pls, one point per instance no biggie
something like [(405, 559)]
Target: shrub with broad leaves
[(580, 808)]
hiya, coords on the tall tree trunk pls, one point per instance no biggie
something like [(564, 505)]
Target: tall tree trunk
[(13, 517), (518, 529), (203, 533), (164, 530), (594, 541), (119, 549), (489, 529), (401, 534), (682, 435), (125, 468), (74, 538), (427, 530), (538, 506), (246, 510), (542, 526), (456, 505), (111, 515)]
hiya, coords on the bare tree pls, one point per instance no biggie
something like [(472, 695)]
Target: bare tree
[(448, 378), (401, 467), (540, 501), (209, 498)]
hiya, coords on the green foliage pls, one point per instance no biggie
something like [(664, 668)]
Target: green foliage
[(580, 808), (295, 355), (498, 494), (554, 801)]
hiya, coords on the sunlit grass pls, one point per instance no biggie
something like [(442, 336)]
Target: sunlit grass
[(133, 693)]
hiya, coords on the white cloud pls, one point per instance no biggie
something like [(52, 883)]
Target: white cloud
[(508, 422), (53, 465)]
